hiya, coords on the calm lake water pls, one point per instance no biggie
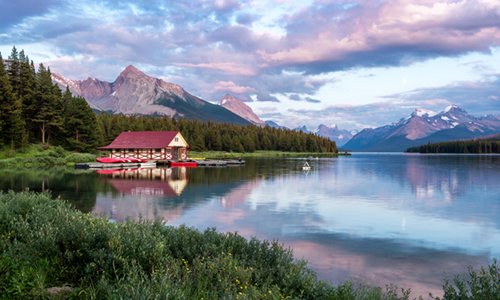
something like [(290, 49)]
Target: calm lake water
[(411, 220)]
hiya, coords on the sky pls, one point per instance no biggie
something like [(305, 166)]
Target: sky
[(356, 64)]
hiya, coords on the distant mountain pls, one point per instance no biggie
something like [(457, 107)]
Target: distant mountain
[(134, 92), (241, 109), (422, 127), (302, 128), (273, 124), (339, 136)]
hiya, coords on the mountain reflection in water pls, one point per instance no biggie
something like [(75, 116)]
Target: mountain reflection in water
[(411, 220)]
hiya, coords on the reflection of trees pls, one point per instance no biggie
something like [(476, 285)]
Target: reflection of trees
[(451, 176), (432, 176), (76, 186)]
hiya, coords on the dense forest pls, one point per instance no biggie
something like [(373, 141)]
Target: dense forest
[(470, 146), (34, 110)]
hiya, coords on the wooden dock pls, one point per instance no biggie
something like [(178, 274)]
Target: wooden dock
[(208, 163), (200, 163), (220, 163), (98, 165)]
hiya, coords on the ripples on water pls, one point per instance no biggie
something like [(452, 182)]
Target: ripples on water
[(380, 218)]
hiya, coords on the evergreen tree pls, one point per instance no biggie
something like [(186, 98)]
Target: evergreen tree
[(11, 122), (14, 71), (80, 123), (48, 105), (27, 95)]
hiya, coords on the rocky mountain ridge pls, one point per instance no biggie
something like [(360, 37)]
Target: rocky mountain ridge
[(241, 109), (424, 126), (339, 136), (134, 92)]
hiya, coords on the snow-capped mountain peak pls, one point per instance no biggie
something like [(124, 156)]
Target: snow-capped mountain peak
[(423, 127), (420, 112), (451, 107)]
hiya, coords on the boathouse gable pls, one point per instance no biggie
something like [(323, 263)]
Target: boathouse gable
[(149, 145), (178, 141)]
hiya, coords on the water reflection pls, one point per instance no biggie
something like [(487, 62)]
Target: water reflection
[(139, 193), (78, 187), (404, 219)]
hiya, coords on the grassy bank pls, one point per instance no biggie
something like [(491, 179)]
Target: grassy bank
[(223, 154), (37, 155), (49, 250)]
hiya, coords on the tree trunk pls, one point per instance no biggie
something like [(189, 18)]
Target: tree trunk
[(43, 133)]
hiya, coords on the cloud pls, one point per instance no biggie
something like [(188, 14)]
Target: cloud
[(296, 97), (231, 87), (266, 49), (228, 68), (14, 12), (312, 100), (477, 97), (266, 98), (328, 37)]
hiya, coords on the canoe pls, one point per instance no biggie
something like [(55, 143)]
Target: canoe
[(189, 164)]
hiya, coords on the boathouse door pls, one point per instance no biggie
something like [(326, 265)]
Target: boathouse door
[(175, 153)]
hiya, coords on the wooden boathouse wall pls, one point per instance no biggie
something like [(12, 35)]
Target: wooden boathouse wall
[(149, 145)]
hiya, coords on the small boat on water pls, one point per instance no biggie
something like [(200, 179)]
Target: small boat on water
[(188, 164), (116, 160), (306, 166)]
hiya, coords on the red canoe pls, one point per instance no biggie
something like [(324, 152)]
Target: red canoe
[(188, 164)]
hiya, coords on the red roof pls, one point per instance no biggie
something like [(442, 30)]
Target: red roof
[(142, 140)]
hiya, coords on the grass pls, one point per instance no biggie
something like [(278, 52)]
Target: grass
[(37, 155), (262, 153), (50, 251)]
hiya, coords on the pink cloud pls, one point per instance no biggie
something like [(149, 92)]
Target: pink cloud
[(413, 26), (232, 68), (231, 87)]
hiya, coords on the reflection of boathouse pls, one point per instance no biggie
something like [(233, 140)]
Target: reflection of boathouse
[(153, 182), (149, 145)]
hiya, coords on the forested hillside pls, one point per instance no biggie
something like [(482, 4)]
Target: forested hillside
[(34, 110), (218, 136), (470, 146)]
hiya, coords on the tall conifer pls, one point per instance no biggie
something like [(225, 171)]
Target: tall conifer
[(48, 106), (12, 124)]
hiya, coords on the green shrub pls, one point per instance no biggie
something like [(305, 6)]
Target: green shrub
[(44, 243), (80, 157), (484, 284)]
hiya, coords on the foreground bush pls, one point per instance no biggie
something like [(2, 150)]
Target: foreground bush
[(45, 243), (49, 250), (36, 156)]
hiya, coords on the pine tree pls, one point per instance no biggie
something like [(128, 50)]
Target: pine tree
[(11, 122), (48, 105), (80, 123), (14, 71)]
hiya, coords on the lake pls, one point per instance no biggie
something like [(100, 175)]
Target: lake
[(411, 220)]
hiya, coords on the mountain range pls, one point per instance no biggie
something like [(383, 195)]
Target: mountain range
[(422, 127), (339, 136), (134, 92)]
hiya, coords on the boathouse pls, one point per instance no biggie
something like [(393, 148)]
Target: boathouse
[(150, 145)]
